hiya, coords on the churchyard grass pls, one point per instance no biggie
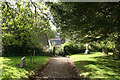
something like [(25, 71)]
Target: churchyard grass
[(10, 66), (97, 65)]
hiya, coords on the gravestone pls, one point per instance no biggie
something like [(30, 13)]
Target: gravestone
[(22, 64), (87, 51)]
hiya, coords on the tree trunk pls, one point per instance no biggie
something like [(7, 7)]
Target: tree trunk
[(54, 51), (33, 57), (116, 51), (105, 50)]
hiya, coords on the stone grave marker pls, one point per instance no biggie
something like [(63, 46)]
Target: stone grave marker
[(87, 51), (22, 64)]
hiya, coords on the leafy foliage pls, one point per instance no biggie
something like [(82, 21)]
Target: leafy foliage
[(24, 27), (88, 22), (97, 46), (70, 48), (52, 34)]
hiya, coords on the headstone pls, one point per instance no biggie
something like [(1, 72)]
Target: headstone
[(22, 64), (87, 51)]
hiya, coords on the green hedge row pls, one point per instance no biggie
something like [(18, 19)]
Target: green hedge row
[(22, 51)]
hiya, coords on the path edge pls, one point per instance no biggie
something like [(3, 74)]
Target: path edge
[(43, 67), (74, 68)]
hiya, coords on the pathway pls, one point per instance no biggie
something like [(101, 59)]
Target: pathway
[(58, 67)]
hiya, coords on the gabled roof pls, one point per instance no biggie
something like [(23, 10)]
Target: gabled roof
[(57, 41)]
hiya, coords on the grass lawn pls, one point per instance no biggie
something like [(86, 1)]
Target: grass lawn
[(10, 70), (97, 65)]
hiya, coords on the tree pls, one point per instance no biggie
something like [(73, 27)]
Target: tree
[(52, 34), (23, 27), (87, 22)]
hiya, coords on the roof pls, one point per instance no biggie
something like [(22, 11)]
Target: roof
[(57, 41)]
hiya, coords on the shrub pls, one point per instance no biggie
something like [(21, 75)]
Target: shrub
[(97, 47), (70, 48), (13, 50)]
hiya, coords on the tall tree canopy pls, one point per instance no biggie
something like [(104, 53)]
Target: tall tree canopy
[(87, 22), (24, 25)]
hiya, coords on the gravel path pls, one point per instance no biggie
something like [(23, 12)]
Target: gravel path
[(58, 67)]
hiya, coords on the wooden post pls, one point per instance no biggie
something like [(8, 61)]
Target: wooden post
[(53, 50), (33, 57)]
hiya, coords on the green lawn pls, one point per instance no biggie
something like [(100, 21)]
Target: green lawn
[(97, 65), (10, 70)]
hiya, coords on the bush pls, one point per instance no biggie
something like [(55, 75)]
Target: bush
[(94, 48), (97, 47), (13, 50), (74, 48), (70, 48)]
